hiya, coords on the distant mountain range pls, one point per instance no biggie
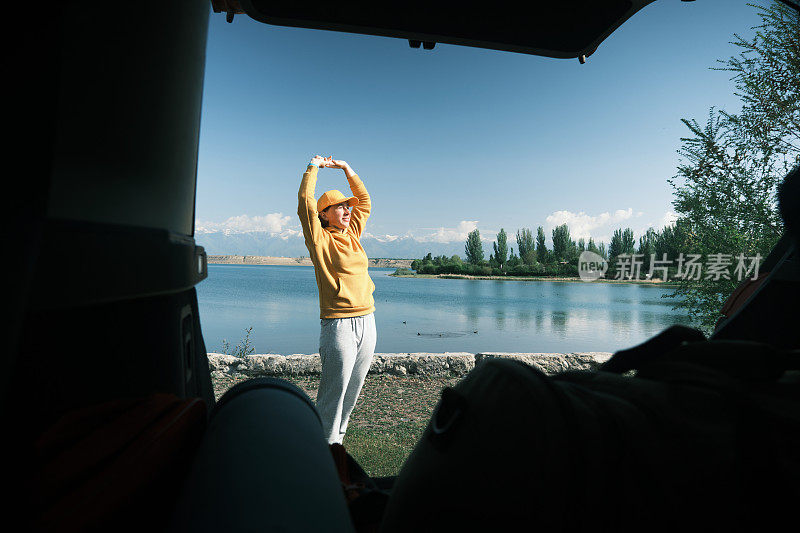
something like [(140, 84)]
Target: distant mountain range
[(269, 244)]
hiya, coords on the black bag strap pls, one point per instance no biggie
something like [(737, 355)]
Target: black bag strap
[(743, 360), (669, 339)]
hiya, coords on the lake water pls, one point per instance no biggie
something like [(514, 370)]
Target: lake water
[(434, 315)]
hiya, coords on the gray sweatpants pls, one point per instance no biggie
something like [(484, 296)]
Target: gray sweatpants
[(346, 346)]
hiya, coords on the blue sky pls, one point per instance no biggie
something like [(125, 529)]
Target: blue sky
[(455, 138)]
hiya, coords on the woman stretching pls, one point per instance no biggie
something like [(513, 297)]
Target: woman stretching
[(332, 227)]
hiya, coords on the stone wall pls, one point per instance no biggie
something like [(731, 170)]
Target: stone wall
[(401, 364)]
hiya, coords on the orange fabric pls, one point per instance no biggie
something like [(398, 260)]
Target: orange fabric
[(340, 262), (334, 197), (739, 296)]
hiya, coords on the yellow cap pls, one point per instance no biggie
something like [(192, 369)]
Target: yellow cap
[(334, 197)]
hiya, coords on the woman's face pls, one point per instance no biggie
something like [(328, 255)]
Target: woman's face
[(337, 215)]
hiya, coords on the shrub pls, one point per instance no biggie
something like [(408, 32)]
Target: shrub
[(242, 349)]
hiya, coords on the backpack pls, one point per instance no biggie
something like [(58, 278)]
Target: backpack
[(705, 436)]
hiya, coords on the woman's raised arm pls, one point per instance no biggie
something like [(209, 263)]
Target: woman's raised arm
[(360, 212), (307, 204)]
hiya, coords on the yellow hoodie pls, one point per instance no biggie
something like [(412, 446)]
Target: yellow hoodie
[(340, 263)]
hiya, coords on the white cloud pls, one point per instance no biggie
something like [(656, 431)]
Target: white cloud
[(444, 235), (273, 223), (279, 225), (581, 225), (382, 238), (668, 220)]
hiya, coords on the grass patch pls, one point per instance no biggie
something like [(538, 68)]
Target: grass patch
[(388, 420), (382, 453)]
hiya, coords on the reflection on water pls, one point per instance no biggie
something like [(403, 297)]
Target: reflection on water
[(500, 320), (539, 320), (619, 319), (435, 315), (558, 322), (498, 307)]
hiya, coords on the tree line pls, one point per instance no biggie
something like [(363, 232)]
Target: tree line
[(533, 258)]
